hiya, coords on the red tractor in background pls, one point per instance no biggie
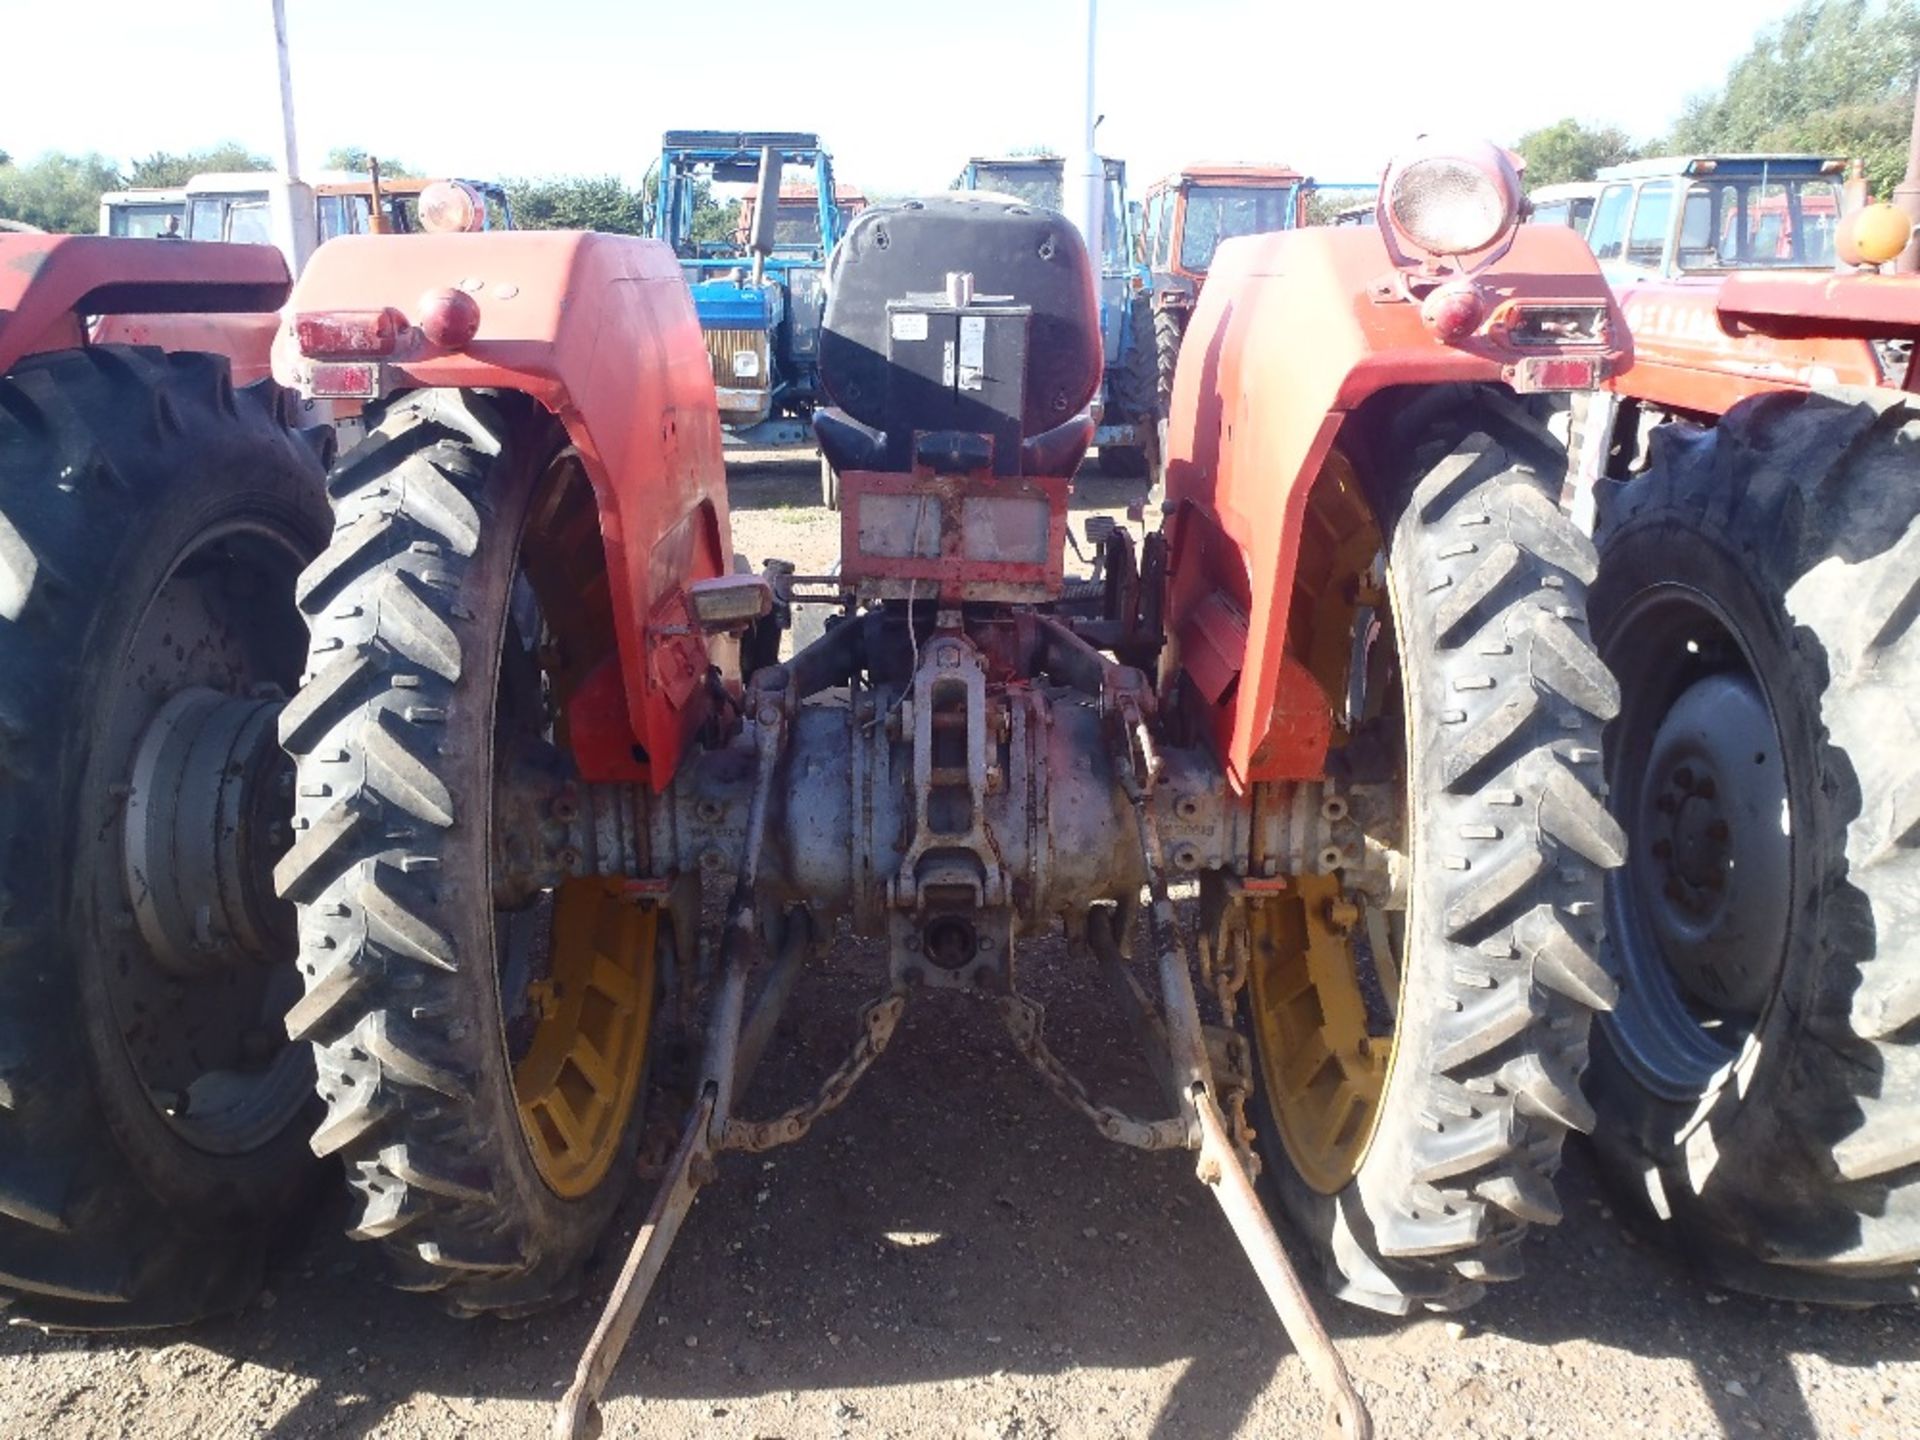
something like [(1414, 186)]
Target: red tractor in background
[(1343, 705), (1188, 214), (1758, 519)]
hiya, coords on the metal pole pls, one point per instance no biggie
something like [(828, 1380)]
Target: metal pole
[(1085, 181), (292, 158)]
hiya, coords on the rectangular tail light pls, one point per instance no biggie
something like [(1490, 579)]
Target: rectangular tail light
[(348, 334)]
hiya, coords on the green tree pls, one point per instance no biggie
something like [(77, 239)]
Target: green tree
[(602, 203), (358, 161), (1569, 150), (165, 169), (57, 191), (1835, 77)]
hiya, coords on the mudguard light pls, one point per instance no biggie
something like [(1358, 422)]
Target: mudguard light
[(348, 334), (1452, 199), (449, 207)]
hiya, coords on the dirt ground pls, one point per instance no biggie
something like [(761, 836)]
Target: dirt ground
[(955, 1254)]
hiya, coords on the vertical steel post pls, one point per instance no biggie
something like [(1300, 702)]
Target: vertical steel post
[(1084, 183), (292, 157)]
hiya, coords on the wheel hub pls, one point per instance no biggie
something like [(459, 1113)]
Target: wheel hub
[(1713, 869), (207, 811)]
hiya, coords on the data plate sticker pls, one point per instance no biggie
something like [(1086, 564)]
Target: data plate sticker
[(910, 325)]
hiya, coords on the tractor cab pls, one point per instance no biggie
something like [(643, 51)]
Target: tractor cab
[(1192, 210), (797, 229), (1570, 204), (260, 207), (1671, 232), (1680, 217), (152, 213), (1129, 409), (1188, 214), (760, 306)]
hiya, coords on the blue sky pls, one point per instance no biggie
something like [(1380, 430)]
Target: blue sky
[(902, 90)]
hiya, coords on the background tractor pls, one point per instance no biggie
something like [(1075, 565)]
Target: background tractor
[(1570, 204), (1125, 438), (1188, 214), (1758, 1085), (760, 291)]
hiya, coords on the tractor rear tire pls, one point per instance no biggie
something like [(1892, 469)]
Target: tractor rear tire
[(152, 521), (1758, 1088), (1131, 397), (1169, 330), (413, 1001), (1500, 703)]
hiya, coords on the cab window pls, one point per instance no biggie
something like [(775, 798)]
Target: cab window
[(1163, 229), (1608, 233), (1652, 223)]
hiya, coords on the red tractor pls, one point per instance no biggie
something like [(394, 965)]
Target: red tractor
[(1313, 775), (1758, 518), (1188, 214)]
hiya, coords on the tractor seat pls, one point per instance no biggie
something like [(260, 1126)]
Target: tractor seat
[(1000, 381)]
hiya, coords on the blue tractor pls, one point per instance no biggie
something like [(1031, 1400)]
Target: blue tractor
[(1128, 430), (759, 290)]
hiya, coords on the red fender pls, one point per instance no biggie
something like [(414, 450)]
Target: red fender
[(1293, 331), (1694, 351), (49, 283), (601, 331)]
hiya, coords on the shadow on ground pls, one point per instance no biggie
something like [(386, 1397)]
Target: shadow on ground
[(955, 1221)]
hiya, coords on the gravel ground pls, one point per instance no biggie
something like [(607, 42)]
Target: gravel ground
[(954, 1254)]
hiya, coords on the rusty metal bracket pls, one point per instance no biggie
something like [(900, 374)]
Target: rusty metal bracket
[(1221, 1171)]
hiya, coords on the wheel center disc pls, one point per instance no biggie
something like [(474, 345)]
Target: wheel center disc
[(209, 799), (1711, 869)]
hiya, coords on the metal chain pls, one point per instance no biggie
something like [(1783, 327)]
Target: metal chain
[(877, 1021), (1229, 971), (1023, 1019)]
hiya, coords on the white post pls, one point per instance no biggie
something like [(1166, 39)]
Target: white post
[(1084, 185), (292, 158)]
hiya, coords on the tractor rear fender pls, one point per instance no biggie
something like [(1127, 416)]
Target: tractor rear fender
[(1292, 333), (601, 332), (50, 284)]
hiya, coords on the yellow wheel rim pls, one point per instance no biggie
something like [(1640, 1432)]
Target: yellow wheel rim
[(578, 1081), (1323, 1066), (1323, 1016)]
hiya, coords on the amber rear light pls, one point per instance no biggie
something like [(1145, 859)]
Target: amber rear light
[(348, 334)]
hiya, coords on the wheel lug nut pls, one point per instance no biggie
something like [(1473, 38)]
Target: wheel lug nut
[(1705, 788), (1683, 777), (1718, 830)]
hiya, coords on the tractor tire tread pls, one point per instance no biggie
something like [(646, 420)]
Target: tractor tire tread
[(93, 443)]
